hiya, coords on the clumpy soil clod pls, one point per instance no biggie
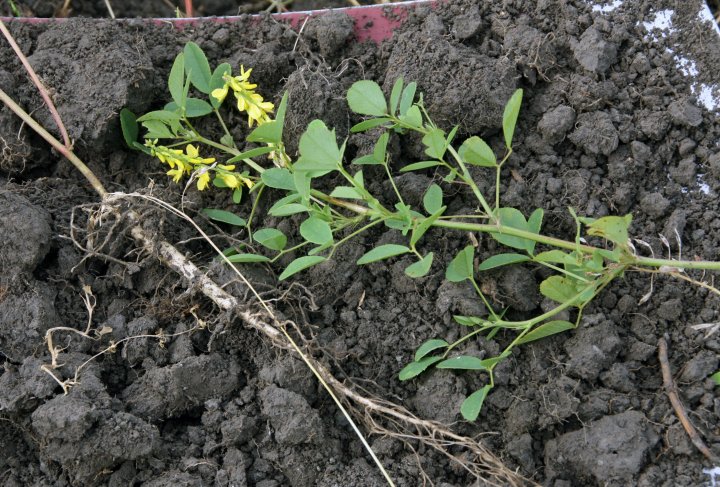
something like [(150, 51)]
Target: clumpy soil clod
[(610, 124)]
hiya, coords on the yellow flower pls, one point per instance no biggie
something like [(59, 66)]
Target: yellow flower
[(203, 179), (176, 174), (194, 156), (230, 180), (247, 99)]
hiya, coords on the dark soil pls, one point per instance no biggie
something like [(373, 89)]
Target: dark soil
[(613, 121)]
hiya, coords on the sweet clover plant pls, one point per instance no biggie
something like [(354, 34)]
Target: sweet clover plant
[(579, 271)]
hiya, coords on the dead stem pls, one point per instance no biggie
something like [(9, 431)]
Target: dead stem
[(672, 393)]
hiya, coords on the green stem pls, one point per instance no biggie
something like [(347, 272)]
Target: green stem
[(392, 181), (224, 127), (62, 149), (484, 299), (498, 170), (353, 235), (469, 180), (252, 211), (229, 150)]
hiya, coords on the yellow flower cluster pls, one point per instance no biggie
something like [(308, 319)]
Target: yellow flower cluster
[(248, 100), (184, 163)]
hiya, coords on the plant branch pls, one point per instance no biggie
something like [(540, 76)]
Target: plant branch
[(64, 150), (40, 86), (672, 393)]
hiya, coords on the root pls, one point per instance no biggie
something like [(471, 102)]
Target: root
[(672, 393), (377, 414)]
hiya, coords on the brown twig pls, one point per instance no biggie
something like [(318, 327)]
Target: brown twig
[(672, 393), (40, 86)]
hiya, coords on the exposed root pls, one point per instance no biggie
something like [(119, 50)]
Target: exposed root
[(377, 414), (672, 393)]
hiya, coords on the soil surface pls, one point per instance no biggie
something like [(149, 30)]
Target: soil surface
[(620, 115)]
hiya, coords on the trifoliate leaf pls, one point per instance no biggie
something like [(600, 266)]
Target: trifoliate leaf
[(421, 267), (224, 216), (365, 97), (197, 67), (316, 231), (382, 252), (429, 346), (413, 369), (510, 115), (545, 330), (271, 238), (300, 264), (461, 267), (476, 152), (471, 406)]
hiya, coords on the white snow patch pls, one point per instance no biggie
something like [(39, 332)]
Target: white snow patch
[(704, 187), (660, 26), (605, 9), (662, 22), (707, 95), (714, 473), (706, 16), (687, 66)]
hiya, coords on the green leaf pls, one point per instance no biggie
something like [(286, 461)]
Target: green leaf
[(395, 95), (247, 258), (380, 149), (158, 130), (346, 192), (469, 320), (471, 406), (425, 225), (197, 67), (249, 154), (194, 107), (612, 228), (413, 369), (160, 116), (369, 124), (554, 257), (429, 346), (278, 178), (435, 143), (510, 115), (300, 264), (421, 267), (316, 231), (407, 98), (545, 330), (463, 362), (558, 288), (365, 97), (129, 126), (716, 378), (461, 267), (176, 80), (217, 81), (413, 117), (476, 152), (433, 199), (224, 216), (382, 252), (318, 149), (291, 198), (502, 260), (511, 217), (237, 195), (534, 226), (271, 238), (289, 209), (417, 166)]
